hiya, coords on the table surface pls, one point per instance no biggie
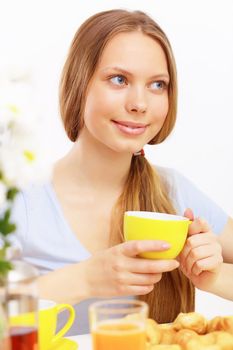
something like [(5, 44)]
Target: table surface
[(84, 341)]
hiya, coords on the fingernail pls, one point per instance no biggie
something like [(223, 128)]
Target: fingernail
[(166, 246)]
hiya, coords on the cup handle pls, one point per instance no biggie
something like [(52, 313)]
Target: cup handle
[(59, 308)]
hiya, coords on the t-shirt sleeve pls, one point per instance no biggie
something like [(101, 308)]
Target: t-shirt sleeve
[(185, 194)]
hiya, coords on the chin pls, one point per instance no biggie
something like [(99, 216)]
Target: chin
[(126, 149), (130, 151)]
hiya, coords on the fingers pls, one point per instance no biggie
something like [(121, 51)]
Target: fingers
[(139, 279), (189, 214), (147, 266), (208, 264), (135, 276), (199, 250), (196, 241), (146, 279), (198, 256), (140, 290), (198, 226), (127, 283), (133, 248), (199, 234)]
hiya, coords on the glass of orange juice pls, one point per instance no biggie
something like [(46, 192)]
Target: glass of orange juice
[(118, 324)]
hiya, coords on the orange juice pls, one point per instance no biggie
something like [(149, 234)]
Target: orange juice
[(119, 336)]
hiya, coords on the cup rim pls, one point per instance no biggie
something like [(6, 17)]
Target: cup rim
[(101, 306), (156, 216), (50, 304)]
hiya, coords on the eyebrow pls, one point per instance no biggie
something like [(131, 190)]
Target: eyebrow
[(124, 71)]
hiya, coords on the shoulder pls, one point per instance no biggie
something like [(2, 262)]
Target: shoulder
[(35, 195), (181, 188), (35, 190), (173, 181), (32, 210), (31, 199), (173, 177)]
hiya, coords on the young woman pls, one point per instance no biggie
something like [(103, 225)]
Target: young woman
[(118, 93)]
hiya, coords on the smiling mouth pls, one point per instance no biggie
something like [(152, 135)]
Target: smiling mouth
[(130, 128)]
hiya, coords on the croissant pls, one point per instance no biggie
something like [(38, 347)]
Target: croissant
[(164, 347), (207, 339), (183, 336), (191, 331), (224, 339), (153, 334), (191, 320), (221, 324), (194, 344)]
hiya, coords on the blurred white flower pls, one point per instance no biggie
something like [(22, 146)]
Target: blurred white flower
[(15, 72), (22, 157), (3, 191)]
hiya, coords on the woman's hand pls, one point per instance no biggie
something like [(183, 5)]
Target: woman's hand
[(201, 257), (118, 271)]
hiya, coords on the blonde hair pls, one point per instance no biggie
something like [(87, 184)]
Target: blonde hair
[(143, 189)]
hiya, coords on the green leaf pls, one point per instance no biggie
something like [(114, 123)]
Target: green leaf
[(5, 266), (11, 193), (6, 227), (7, 214), (3, 252)]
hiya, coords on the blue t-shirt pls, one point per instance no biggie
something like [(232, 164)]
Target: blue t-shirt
[(46, 240)]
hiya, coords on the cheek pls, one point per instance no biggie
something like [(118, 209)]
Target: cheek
[(160, 109), (101, 102)]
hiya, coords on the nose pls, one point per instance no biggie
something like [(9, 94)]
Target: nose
[(136, 101)]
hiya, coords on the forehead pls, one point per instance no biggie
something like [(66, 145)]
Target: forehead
[(134, 51)]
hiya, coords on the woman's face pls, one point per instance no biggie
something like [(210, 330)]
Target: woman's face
[(127, 98)]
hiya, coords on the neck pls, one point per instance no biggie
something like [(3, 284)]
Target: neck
[(94, 166)]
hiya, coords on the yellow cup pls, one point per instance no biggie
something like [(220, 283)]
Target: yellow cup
[(48, 313), (145, 225)]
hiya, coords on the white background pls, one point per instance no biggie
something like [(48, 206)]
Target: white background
[(35, 36)]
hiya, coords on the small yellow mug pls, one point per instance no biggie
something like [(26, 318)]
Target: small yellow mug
[(48, 313)]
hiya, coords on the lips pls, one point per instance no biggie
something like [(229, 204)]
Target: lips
[(130, 128)]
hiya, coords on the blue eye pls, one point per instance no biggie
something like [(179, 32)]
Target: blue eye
[(118, 80), (158, 85)]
